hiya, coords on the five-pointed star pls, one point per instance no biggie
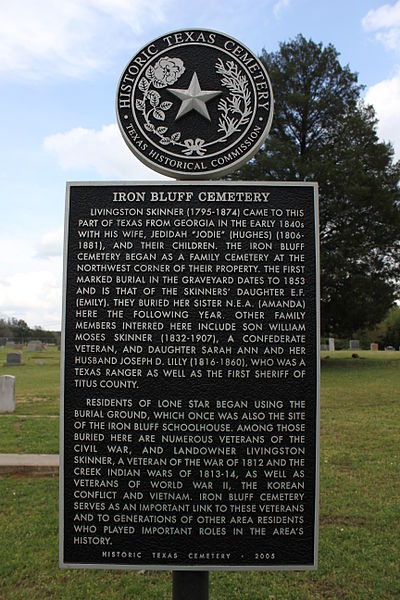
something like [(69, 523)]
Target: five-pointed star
[(194, 98)]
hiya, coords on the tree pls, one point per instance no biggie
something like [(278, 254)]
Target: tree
[(5, 330), (323, 132), (390, 328), (385, 333), (19, 331)]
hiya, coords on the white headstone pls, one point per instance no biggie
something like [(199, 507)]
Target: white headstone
[(331, 344), (7, 393)]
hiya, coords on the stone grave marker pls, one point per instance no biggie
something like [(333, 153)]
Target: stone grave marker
[(14, 359), (374, 347), (354, 344), (35, 346), (7, 393)]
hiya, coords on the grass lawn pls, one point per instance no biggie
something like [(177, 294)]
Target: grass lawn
[(34, 425), (359, 516)]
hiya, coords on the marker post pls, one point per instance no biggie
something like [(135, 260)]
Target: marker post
[(190, 585)]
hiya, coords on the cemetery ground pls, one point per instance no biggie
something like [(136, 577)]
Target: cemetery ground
[(359, 539)]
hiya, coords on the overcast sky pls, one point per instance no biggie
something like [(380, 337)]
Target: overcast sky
[(60, 62)]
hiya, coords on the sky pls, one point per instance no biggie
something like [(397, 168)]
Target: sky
[(60, 63)]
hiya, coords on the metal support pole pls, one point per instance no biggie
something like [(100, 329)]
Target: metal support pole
[(190, 585)]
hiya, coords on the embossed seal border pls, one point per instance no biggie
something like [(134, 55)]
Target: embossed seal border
[(172, 168)]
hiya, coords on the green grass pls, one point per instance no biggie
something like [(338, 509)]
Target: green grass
[(25, 435), (360, 416), (34, 425), (359, 516), (37, 389)]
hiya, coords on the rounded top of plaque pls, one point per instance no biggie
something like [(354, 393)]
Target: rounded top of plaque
[(194, 104)]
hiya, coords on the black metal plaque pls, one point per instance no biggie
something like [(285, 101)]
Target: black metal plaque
[(190, 376), (194, 104)]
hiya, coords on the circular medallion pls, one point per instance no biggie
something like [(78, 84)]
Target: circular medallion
[(194, 104)]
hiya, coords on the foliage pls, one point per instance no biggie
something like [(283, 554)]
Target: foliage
[(392, 325), (20, 332), (323, 132), (385, 333)]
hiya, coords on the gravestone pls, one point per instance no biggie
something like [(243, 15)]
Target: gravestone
[(35, 346), (7, 393), (354, 344), (14, 359), (3, 341), (374, 347), (331, 344), (10, 344), (389, 349)]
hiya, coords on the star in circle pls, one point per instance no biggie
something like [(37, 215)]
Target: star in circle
[(194, 98)]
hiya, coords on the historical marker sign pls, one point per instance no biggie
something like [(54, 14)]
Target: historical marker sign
[(190, 382), (194, 104)]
